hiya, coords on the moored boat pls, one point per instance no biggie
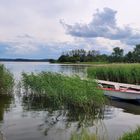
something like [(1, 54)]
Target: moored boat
[(120, 90)]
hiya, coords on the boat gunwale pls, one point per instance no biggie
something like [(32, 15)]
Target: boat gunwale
[(122, 90), (119, 87), (137, 87)]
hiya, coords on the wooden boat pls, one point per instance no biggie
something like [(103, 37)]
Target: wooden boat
[(120, 90)]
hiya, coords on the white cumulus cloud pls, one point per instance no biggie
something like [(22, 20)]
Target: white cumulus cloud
[(104, 25)]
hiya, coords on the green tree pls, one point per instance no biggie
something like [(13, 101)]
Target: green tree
[(129, 57), (136, 53), (117, 54), (63, 58)]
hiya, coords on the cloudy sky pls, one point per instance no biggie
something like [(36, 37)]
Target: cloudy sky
[(46, 28)]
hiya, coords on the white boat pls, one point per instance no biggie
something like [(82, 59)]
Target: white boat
[(120, 90)]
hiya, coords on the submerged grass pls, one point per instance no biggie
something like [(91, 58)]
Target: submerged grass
[(124, 73), (131, 135), (6, 81), (64, 90)]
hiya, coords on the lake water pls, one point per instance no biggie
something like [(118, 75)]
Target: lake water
[(19, 121)]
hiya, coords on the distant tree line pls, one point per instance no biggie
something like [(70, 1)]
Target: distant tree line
[(117, 55)]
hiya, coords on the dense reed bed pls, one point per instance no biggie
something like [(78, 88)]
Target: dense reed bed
[(123, 73), (6, 81), (64, 90), (131, 135)]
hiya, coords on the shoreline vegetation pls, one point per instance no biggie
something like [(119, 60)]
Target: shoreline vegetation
[(134, 135), (117, 56), (86, 135), (122, 73), (64, 90), (6, 81), (26, 60), (91, 56)]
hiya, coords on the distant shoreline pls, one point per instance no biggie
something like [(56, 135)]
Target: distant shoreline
[(27, 60)]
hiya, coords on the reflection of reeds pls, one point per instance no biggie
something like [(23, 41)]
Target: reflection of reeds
[(5, 101), (69, 113), (6, 81), (64, 90), (131, 135), (1, 136), (124, 73)]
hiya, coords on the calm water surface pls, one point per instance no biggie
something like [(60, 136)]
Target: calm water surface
[(21, 121)]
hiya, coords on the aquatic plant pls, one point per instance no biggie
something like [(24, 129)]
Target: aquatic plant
[(64, 90), (131, 135), (6, 81), (84, 135), (123, 73)]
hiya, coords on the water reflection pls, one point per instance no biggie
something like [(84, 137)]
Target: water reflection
[(65, 115), (5, 101), (17, 68), (127, 106)]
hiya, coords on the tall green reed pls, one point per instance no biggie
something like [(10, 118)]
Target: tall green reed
[(131, 135), (84, 135), (64, 89), (6, 81), (124, 73)]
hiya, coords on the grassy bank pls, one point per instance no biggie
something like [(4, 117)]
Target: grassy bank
[(131, 135), (124, 73), (6, 81), (64, 90), (86, 135)]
